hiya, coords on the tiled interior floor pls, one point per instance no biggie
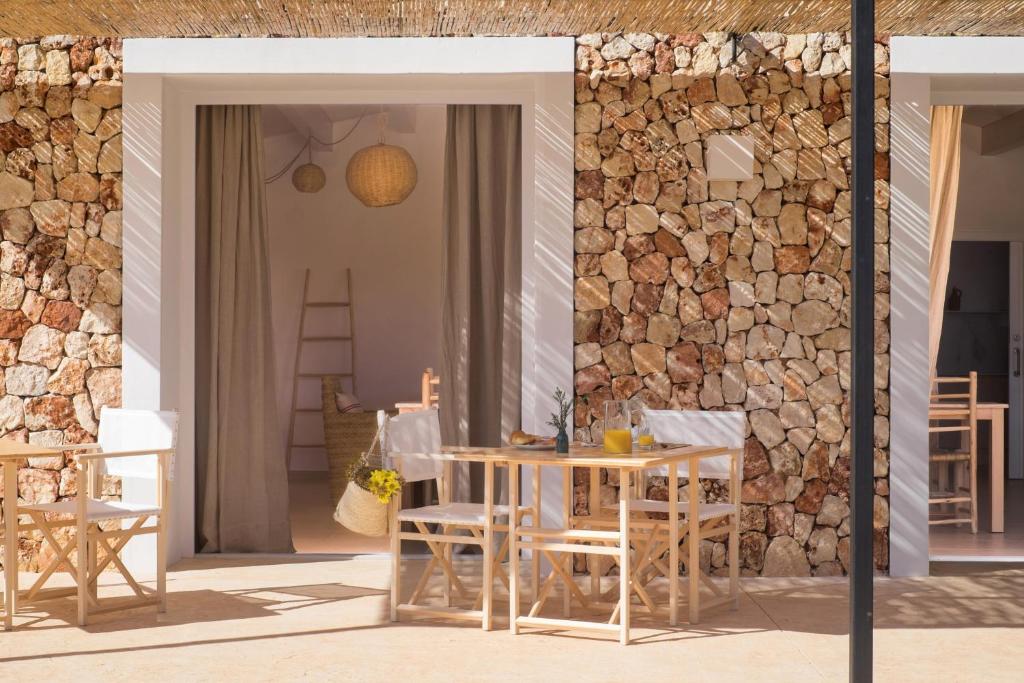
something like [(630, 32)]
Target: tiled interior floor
[(313, 527), (949, 542), (283, 619)]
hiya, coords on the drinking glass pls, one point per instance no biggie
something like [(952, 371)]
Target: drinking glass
[(644, 437), (618, 437)]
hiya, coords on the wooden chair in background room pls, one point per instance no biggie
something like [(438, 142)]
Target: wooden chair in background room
[(431, 393), (137, 444), (412, 444), (953, 475)]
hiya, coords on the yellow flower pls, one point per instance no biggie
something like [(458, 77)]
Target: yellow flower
[(384, 484)]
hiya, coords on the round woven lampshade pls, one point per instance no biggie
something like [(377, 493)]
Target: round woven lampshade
[(309, 178), (381, 175)]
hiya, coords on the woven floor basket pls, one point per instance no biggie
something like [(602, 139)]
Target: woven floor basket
[(346, 436)]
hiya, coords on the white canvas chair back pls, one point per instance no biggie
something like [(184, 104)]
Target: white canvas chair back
[(413, 441), (700, 428), (136, 430)]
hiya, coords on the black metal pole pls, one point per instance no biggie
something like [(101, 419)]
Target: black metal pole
[(862, 367)]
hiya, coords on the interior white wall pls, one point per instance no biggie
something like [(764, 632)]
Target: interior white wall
[(925, 71), (990, 203), (165, 79), (395, 255)]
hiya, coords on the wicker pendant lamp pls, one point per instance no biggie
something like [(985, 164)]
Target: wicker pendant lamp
[(309, 177), (381, 174)]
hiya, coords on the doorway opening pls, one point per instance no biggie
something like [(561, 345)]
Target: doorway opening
[(383, 262), (982, 330), (322, 303)]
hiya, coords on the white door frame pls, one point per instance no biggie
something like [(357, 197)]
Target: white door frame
[(925, 71), (165, 79)]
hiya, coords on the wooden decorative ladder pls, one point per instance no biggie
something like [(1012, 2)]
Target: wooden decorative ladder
[(302, 340)]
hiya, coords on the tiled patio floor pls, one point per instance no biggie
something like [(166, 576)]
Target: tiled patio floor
[(276, 619)]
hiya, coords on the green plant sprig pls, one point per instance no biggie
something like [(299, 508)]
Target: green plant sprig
[(560, 419)]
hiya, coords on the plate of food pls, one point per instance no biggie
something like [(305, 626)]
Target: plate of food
[(530, 442)]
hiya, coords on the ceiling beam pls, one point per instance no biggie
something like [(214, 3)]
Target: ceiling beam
[(1003, 134), (309, 120)]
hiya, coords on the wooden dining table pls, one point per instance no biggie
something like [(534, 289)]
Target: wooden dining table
[(994, 413), (13, 455), (590, 535)]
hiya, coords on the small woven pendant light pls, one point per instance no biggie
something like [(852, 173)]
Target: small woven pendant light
[(309, 177), (381, 174)]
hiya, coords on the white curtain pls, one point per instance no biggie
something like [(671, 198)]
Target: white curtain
[(945, 181), (481, 362), (242, 477)]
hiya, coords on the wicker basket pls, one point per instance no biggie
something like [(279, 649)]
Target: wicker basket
[(359, 510), (346, 436)]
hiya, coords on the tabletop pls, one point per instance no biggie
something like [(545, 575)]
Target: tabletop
[(587, 456), (16, 450)]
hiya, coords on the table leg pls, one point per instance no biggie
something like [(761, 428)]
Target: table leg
[(693, 537), (734, 530), (625, 566), (513, 548), (567, 524), (535, 520), (673, 545), (10, 542), (594, 561), (996, 471), (488, 572)]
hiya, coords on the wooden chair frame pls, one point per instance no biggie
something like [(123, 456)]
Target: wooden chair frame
[(957, 413), (440, 543), (82, 560), (430, 390), (655, 557)]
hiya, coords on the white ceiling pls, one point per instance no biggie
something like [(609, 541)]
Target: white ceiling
[(983, 115), (320, 119)]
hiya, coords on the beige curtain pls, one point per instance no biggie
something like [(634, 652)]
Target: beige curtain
[(242, 479), (481, 320), (944, 182)]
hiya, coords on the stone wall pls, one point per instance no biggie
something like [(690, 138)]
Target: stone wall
[(731, 295), (60, 285)]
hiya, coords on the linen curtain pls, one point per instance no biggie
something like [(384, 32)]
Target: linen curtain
[(242, 477), (482, 274), (944, 183)]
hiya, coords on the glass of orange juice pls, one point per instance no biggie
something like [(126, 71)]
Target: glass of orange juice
[(618, 439), (644, 438)]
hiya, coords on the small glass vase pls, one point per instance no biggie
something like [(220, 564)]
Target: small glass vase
[(618, 436), (562, 441)]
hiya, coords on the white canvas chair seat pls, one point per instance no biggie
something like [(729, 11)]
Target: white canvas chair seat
[(451, 513), (96, 510)]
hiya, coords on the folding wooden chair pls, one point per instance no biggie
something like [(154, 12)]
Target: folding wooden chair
[(953, 498), (131, 443), (694, 428), (412, 444)]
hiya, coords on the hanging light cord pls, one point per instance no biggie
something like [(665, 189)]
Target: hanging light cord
[(308, 146)]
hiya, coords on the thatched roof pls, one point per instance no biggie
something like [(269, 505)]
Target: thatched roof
[(493, 17)]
